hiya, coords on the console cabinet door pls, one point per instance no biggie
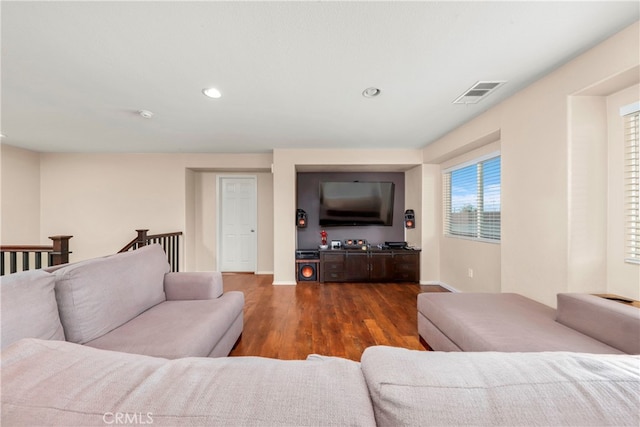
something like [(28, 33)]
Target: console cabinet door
[(357, 266), (381, 267)]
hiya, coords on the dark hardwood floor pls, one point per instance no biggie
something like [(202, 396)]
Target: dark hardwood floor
[(334, 319)]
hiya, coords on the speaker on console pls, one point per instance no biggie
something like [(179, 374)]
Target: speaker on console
[(409, 219), (301, 218)]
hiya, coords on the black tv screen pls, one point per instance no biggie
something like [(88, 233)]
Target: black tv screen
[(356, 203)]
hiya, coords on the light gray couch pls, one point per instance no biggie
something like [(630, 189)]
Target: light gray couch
[(127, 302), (64, 384), (509, 322), (48, 381)]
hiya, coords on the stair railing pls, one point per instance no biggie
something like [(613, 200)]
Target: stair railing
[(170, 243), (55, 254)]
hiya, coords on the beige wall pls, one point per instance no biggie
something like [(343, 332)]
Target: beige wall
[(266, 241), (20, 201), (189, 244), (622, 278), (413, 200), (102, 198), (540, 154), (587, 186), (422, 195), (431, 220)]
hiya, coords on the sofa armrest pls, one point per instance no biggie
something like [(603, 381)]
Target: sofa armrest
[(193, 285), (613, 323)]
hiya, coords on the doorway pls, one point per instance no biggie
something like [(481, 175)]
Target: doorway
[(237, 223)]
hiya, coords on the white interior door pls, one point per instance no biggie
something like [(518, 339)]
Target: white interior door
[(237, 244)]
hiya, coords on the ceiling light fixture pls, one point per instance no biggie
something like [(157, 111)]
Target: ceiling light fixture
[(371, 92), (145, 113), (212, 92)]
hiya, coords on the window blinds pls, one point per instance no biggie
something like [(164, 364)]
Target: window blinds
[(490, 210), (632, 186), (472, 200)]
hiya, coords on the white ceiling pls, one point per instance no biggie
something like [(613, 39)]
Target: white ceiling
[(291, 73)]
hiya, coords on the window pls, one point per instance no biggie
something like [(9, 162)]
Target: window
[(631, 115), (472, 199)]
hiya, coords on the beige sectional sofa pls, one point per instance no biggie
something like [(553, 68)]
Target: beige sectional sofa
[(107, 371), (509, 322), (127, 302), (64, 384)]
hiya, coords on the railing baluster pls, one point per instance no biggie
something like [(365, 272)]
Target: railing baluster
[(25, 261), (2, 264), (172, 253), (38, 256), (13, 263), (177, 251)]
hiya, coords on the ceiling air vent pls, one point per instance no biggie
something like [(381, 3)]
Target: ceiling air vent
[(478, 91)]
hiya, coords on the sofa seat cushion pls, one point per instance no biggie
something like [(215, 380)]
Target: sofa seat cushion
[(61, 384), (417, 388), (98, 295), (174, 329), (29, 308), (502, 322)]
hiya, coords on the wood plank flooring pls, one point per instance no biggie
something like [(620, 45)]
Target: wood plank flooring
[(334, 319)]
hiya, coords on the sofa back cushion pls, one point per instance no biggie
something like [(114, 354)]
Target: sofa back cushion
[(436, 388), (610, 322), (99, 295), (62, 384), (29, 308)]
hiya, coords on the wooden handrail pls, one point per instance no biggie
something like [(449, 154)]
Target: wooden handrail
[(57, 253), (26, 248), (170, 243), (143, 239), (129, 246)]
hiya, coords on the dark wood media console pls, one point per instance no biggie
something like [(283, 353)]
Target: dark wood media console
[(374, 265)]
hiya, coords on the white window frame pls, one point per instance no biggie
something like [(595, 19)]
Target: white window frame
[(447, 199), (631, 117)]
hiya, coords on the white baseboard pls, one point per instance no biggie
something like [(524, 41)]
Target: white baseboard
[(280, 283), (439, 283), (263, 273)]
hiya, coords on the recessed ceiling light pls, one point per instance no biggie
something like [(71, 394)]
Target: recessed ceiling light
[(145, 113), (371, 92), (2, 135), (212, 92)]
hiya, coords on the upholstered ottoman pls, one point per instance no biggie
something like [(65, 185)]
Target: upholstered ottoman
[(512, 323)]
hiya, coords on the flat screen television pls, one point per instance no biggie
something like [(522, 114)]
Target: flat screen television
[(356, 203)]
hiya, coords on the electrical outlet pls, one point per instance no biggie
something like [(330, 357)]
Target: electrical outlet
[(470, 272)]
